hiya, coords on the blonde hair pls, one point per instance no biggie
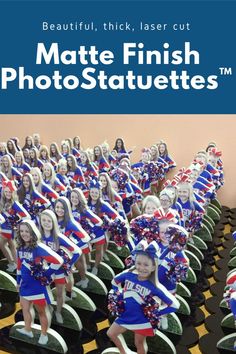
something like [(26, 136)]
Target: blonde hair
[(150, 198), (189, 187), (37, 170)]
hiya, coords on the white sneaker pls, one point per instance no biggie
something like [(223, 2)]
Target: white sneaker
[(106, 257), (25, 333), (43, 339), (94, 270), (73, 295), (83, 283), (67, 298), (11, 267), (59, 317), (164, 322)]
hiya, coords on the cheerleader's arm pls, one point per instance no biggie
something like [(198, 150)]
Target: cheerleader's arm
[(171, 304), (119, 280), (18, 271), (20, 211), (93, 218), (51, 257), (71, 247)]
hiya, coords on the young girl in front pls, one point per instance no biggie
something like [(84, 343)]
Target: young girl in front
[(139, 285), (51, 236), (34, 291)]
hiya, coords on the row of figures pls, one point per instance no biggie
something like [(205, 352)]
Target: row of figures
[(62, 236)]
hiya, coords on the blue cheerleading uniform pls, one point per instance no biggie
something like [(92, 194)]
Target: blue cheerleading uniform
[(23, 168), (190, 212), (134, 293), (35, 203), (171, 163), (106, 213), (168, 274), (12, 217), (75, 176), (76, 234), (63, 241), (91, 223), (30, 288)]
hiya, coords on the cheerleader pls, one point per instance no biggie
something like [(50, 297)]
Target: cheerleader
[(33, 201), (51, 236), (140, 290), (120, 147), (9, 170), (172, 191), (99, 159), (34, 158), (109, 195), (41, 186), (34, 290), (54, 153), (89, 169), (65, 149), (20, 163), (166, 200), (72, 229), (108, 156), (37, 140), (11, 148), (106, 213), (90, 222), (77, 143), (150, 204), (26, 155), (74, 172), (49, 177), (76, 148), (12, 211), (192, 211), (121, 184), (163, 153), (62, 173), (29, 143), (44, 154)]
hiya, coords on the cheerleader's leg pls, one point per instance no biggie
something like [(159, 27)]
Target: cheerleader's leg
[(113, 333), (140, 343), (5, 249), (26, 309)]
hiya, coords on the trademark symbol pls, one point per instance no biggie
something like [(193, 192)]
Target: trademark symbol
[(225, 71)]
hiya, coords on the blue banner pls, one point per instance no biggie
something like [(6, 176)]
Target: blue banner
[(104, 57)]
